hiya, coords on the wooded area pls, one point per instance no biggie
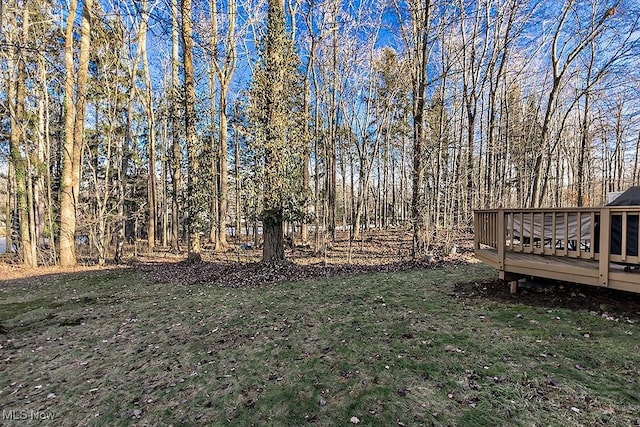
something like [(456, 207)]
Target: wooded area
[(172, 122)]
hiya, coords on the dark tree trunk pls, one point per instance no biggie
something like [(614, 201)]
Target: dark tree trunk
[(273, 232)]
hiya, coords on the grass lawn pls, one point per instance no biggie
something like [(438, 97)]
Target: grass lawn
[(385, 349)]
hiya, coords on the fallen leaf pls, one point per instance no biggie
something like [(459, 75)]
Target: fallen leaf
[(346, 374), (553, 383), (453, 349)]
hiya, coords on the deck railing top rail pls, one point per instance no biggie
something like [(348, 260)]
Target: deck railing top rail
[(561, 210)]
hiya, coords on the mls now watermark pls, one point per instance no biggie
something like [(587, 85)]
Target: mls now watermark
[(27, 415)]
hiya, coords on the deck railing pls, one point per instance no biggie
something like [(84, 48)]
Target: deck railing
[(606, 234)]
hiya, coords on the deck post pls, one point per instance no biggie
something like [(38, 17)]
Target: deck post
[(500, 239), (623, 249), (513, 287), (476, 232), (605, 242)]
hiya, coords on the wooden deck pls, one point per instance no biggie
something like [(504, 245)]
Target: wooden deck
[(517, 244)]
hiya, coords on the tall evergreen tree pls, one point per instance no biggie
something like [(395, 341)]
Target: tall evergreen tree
[(276, 114)]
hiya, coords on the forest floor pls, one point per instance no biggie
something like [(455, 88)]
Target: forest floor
[(440, 344), (238, 265)]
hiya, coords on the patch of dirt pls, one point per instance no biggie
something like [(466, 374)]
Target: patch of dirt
[(547, 293)]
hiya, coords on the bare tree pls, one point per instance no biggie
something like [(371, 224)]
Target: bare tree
[(151, 132), (563, 54), (223, 60), (176, 159), (75, 110), (417, 41)]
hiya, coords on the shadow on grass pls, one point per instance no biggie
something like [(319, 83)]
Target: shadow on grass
[(48, 291), (553, 294), (34, 277)]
